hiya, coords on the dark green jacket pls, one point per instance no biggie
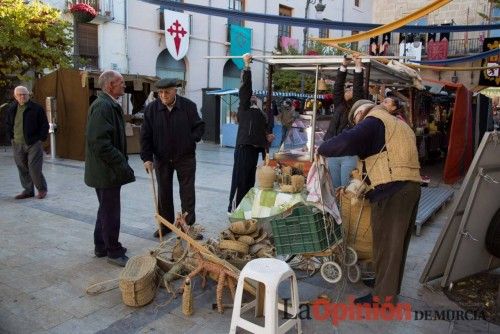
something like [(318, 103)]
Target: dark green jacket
[(106, 161)]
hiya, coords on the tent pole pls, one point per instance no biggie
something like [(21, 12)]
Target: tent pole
[(313, 121)]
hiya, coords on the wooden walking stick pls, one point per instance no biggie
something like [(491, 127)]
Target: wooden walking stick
[(155, 199)]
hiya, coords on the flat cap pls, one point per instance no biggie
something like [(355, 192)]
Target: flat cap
[(355, 106), (167, 83)]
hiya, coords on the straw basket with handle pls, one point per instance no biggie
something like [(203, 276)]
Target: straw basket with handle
[(357, 225), (139, 280), (266, 175)]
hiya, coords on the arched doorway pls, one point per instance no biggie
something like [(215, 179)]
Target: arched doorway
[(168, 67), (230, 80)]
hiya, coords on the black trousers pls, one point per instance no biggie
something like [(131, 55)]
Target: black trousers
[(185, 169), (243, 179), (107, 225), (392, 222)]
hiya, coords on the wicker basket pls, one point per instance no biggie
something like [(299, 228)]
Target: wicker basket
[(139, 280), (232, 245), (359, 236)]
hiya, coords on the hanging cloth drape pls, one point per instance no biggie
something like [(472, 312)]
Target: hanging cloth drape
[(473, 57), (387, 27)]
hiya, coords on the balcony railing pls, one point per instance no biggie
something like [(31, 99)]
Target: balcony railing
[(104, 8), (456, 48)]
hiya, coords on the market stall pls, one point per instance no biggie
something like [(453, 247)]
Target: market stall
[(230, 101), (74, 91)]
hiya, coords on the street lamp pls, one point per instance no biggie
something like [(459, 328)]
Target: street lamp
[(320, 8)]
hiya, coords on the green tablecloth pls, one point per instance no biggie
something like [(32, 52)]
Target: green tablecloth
[(259, 204)]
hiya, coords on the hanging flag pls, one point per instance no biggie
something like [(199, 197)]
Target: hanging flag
[(176, 33), (437, 50), (241, 43), (490, 77)]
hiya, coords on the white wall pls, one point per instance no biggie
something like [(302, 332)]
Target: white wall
[(143, 41)]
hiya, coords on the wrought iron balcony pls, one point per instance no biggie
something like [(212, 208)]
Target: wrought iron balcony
[(456, 48)]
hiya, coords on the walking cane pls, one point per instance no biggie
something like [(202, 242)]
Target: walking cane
[(155, 199)]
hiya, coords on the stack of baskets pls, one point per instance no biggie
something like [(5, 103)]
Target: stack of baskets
[(139, 280), (358, 234)]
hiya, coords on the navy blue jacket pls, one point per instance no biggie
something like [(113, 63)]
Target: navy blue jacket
[(170, 135), (365, 139)]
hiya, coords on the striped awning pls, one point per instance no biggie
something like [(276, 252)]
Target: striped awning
[(262, 93)]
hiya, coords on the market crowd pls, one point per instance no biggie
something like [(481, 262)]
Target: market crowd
[(372, 138)]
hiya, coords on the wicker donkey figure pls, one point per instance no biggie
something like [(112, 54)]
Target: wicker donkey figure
[(224, 277)]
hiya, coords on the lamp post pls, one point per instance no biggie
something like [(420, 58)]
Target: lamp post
[(320, 7)]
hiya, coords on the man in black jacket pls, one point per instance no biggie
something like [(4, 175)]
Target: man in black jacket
[(27, 127), (253, 137), (169, 134)]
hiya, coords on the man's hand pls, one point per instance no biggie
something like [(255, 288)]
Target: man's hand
[(270, 137), (247, 58), (148, 166)]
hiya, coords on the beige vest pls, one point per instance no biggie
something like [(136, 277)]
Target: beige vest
[(399, 160)]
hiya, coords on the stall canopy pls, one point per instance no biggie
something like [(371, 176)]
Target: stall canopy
[(74, 90), (460, 145)]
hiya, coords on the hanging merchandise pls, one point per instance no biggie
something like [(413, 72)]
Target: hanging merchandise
[(387, 27), (490, 76), (374, 46), (386, 42)]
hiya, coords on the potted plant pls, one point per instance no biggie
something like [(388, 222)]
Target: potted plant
[(83, 12)]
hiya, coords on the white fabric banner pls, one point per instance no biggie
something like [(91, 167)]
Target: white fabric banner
[(176, 33)]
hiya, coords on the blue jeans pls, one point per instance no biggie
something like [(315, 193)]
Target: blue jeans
[(341, 168)]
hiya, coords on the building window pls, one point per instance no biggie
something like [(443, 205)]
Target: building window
[(354, 45), (324, 33), (168, 67), (87, 46), (357, 3), (283, 29), (238, 6), (162, 14)]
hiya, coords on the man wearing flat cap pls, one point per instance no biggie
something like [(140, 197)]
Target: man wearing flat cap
[(388, 160), (169, 134)]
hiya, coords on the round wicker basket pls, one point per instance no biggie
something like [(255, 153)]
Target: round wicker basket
[(244, 227), (139, 280), (233, 245)]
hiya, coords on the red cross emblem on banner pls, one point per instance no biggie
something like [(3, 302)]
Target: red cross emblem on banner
[(177, 26), (175, 30)]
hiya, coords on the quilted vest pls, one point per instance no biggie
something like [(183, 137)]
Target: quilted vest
[(399, 160)]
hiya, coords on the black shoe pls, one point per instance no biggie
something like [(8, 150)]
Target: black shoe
[(368, 299), (102, 253), (369, 282), (24, 195), (120, 261), (164, 231)]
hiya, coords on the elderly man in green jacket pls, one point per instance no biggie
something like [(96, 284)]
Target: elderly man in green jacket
[(106, 165)]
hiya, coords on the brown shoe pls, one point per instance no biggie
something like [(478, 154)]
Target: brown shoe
[(41, 194), (24, 195)]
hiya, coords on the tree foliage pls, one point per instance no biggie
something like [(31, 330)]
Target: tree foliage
[(292, 80), (33, 37)]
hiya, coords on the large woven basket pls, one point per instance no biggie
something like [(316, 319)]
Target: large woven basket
[(359, 236), (139, 280)]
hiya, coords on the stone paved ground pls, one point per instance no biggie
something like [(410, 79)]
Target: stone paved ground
[(46, 260)]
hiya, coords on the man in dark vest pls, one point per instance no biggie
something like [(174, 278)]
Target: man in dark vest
[(253, 137)]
